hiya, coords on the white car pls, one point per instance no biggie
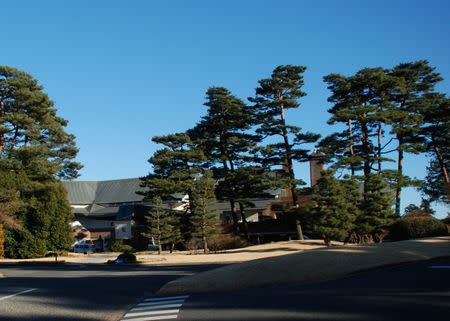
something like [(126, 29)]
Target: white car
[(84, 248)]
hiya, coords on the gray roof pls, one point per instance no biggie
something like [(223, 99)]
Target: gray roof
[(122, 212), (104, 192)]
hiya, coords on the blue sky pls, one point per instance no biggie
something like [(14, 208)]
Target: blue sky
[(122, 72)]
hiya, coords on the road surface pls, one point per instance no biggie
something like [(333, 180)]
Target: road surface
[(411, 292), (80, 292)]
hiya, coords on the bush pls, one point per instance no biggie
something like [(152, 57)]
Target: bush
[(127, 258), (416, 227), (119, 246), (223, 242)]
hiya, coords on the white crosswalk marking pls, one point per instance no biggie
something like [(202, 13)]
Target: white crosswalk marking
[(147, 304), (163, 306), (166, 308), (167, 298), (161, 317)]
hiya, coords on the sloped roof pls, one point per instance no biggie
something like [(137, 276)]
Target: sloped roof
[(103, 192), (119, 213)]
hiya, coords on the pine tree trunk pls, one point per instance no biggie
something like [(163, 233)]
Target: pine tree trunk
[(366, 152), (438, 154), (290, 169), (398, 189), (299, 231), (440, 160), (352, 151), (288, 160), (205, 242), (2, 135), (379, 134)]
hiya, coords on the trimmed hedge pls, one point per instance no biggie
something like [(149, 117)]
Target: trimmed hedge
[(127, 258), (119, 246), (413, 227)]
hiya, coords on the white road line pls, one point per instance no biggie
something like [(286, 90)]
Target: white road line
[(164, 317), (16, 294), (167, 298), (140, 314), (439, 267), (165, 306), (147, 304)]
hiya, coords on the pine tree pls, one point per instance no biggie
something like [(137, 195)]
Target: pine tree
[(223, 136), (435, 130), (162, 225), (334, 212), (414, 81), (360, 102), (424, 209), (35, 151), (175, 167), (376, 210), (274, 96), (32, 135), (205, 212)]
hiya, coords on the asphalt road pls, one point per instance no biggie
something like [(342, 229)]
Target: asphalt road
[(80, 292), (415, 291)]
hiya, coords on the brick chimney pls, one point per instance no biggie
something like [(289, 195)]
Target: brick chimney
[(315, 167)]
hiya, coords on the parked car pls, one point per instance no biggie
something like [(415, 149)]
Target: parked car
[(84, 248)]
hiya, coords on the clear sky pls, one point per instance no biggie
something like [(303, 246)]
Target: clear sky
[(124, 71)]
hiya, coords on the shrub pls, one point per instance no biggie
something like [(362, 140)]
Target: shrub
[(223, 242), (412, 227), (127, 258), (119, 246)]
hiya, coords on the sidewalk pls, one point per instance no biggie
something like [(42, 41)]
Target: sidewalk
[(186, 257), (308, 266)]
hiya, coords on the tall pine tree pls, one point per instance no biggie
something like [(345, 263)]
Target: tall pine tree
[(223, 134)]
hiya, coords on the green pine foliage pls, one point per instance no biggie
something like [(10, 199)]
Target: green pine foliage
[(376, 210), (335, 207), (274, 96), (35, 152), (162, 225), (205, 215), (223, 135)]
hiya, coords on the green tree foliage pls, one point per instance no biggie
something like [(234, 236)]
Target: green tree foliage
[(436, 131), (205, 212), (162, 225), (417, 226), (224, 137), (435, 187), (414, 82), (335, 209), (35, 151), (274, 96), (424, 209), (376, 210), (174, 167), (360, 102), (32, 136)]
